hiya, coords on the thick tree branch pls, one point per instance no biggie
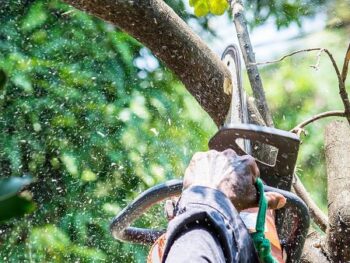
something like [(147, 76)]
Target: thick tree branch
[(157, 26), (337, 145), (249, 59)]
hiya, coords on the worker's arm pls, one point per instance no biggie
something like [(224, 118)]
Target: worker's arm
[(207, 227), (196, 244)]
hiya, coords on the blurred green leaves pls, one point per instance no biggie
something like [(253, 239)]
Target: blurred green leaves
[(282, 13), (92, 128), (61, 248), (11, 203)]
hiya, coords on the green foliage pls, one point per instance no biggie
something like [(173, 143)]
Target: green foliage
[(61, 249), (11, 204), (95, 119), (283, 13)]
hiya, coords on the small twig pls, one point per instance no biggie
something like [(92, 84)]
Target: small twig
[(344, 72), (317, 65), (286, 56), (316, 213), (341, 77), (301, 125)]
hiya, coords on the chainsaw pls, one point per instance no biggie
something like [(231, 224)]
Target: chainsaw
[(236, 133)]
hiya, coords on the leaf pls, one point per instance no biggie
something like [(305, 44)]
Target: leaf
[(201, 8), (218, 7)]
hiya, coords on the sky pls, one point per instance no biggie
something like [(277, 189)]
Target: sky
[(268, 42)]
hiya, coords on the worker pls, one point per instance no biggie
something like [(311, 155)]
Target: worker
[(206, 226)]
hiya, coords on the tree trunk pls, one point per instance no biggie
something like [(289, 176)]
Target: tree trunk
[(337, 149)]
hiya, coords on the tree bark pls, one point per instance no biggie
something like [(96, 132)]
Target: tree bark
[(337, 149), (158, 27)]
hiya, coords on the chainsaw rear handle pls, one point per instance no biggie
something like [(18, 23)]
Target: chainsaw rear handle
[(121, 230)]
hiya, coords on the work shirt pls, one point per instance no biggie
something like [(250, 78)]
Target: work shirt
[(207, 228)]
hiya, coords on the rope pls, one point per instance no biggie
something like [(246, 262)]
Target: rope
[(261, 243)]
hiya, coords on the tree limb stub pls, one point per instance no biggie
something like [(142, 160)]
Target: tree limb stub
[(337, 150), (157, 26), (313, 251), (249, 59)]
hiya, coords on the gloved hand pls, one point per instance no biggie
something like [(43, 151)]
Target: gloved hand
[(231, 174)]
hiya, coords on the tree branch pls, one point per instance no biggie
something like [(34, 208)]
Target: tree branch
[(157, 26), (316, 213), (341, 77), (249, 59), (301, 125)]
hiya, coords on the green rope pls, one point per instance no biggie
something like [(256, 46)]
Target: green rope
[(261, 243)]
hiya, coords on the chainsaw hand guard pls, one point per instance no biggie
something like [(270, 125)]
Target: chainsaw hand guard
[(280, 174)]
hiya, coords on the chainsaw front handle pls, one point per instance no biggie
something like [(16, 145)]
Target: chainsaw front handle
[(121, 230), (120, 225)]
